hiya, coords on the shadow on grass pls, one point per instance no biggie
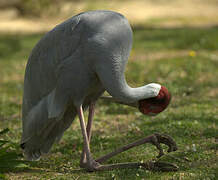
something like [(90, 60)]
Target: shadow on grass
[(25, 170)]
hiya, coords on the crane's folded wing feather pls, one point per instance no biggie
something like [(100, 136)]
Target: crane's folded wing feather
[(41, 76)]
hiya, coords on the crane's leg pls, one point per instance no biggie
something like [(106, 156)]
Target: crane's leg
[(90, 164), (154, 139), (88, 130), (93, 165)]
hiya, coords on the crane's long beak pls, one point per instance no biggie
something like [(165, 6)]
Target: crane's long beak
[(111, 99)]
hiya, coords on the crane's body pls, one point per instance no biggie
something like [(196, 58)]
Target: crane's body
[(68, 69)]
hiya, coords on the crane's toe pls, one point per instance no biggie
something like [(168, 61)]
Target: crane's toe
[(167, 140), (164, 139)]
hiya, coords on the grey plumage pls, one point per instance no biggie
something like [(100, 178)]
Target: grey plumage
[(74, 64)]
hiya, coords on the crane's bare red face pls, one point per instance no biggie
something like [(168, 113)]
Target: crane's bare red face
[(153, 106)]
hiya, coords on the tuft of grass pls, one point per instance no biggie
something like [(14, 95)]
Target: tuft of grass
[(10, 159), (185, 60)]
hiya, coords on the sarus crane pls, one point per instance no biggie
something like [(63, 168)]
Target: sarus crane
[(67, 71)]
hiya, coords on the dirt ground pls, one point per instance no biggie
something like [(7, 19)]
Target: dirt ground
[(151, 12)]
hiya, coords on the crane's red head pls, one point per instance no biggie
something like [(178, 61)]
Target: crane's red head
[(155, 105)]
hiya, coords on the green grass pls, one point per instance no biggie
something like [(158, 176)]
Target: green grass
[(185, 60)]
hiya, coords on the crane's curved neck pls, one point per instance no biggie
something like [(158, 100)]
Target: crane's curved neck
[(113, 79), (127, 94), (110, 65)]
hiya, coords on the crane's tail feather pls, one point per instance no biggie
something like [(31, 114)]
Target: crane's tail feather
[(39, 141), (39, 144)]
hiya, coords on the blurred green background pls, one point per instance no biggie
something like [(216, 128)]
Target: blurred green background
[(175, 44)]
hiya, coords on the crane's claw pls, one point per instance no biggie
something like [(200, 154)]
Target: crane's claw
[(164, 139)]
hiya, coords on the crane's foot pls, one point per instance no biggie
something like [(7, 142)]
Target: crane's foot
[(90, 166), (151, 166), (157, 139)]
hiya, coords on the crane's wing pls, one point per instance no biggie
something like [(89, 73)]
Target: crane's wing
[(41, 77)]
